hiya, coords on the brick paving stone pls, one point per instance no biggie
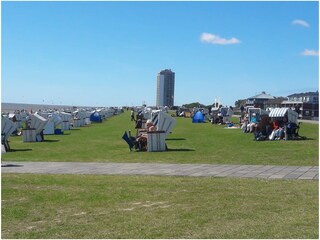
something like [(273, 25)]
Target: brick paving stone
[(304, 168), (306, 178), (252, 174), (292, 176), (238, 174), (265, 167), (276, 176), (262, 176), (309, 175)]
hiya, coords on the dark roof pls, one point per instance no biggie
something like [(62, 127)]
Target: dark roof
[(262, 95), (304, 94), (276, 100)]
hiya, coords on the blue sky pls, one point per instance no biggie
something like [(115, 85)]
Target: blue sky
[(109, 53)]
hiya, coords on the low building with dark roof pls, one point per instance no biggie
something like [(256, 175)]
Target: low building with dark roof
[(259, 100), (274, 103), (308, 97), (306, 104)]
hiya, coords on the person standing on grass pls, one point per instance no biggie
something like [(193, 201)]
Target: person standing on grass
[(132, 115)]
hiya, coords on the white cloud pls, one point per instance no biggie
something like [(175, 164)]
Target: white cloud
[(300, 22), (216, 39), (308, 52)]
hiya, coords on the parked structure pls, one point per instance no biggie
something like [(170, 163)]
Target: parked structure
[(165, 88)]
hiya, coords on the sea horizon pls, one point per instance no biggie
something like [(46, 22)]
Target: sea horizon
[(11, 107)]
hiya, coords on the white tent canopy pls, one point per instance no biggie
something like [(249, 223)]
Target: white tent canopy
[(284, 112)]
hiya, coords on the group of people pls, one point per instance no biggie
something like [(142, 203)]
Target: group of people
[(273, 129), (277, 130), (218, 119), (251, 126)]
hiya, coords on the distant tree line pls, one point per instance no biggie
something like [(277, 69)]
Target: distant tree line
[(240, 102), (196, 104)]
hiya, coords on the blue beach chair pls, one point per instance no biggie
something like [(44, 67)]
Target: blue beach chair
[(128, 140), (132, 143)]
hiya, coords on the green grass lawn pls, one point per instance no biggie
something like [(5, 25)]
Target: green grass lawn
[(188, 143), (87, 206)]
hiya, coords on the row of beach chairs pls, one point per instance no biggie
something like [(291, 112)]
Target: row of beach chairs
[(35, 125)]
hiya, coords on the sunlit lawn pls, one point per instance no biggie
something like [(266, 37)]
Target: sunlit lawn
[(87, 206), (188, 143)]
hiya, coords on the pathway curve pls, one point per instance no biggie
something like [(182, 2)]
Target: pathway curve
[(159, 169)]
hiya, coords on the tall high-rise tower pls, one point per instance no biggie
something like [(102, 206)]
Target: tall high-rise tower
[(165, 88)]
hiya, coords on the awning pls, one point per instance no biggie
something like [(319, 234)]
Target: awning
[(278, 112)]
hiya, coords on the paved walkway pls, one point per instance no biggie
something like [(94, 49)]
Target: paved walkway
[(192, 170)]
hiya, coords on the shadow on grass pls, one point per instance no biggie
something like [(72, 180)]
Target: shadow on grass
[(62, 134), (20, 150), (50, 140), (306, 139), (170, 139), (74, 129), (303, 138), (180, 150)]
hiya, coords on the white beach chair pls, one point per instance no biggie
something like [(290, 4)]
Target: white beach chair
[(7, 128)]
